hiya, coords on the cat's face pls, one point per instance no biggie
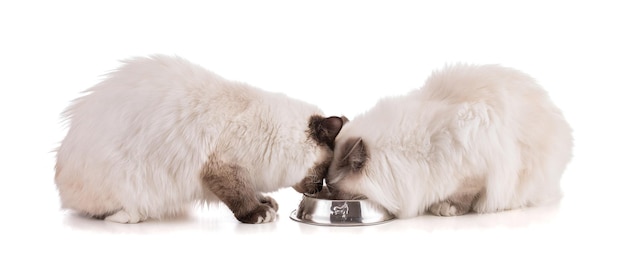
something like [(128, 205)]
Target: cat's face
[(322, 132), (347, 173)]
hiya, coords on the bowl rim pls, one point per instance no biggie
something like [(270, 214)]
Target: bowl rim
[(294, 213), (310, 196)]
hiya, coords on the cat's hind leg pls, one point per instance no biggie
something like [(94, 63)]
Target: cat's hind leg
[(99, 203), (231, 184), (461, 201), (125, 217)]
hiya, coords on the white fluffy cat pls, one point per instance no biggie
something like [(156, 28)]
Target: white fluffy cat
[(486, 138), (161, 133)]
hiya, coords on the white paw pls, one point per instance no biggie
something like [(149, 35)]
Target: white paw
[(270, 216), (123, 217), (443, 209)]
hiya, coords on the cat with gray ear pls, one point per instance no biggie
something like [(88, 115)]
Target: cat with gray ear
[(482, 138), (160, 134)]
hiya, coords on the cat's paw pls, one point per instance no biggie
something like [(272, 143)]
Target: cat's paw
[(308, 187), (269, 201), (444, 208), (264, 213), (124, 217)]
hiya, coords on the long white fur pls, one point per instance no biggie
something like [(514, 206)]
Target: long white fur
[(139, 139), (467, 121)]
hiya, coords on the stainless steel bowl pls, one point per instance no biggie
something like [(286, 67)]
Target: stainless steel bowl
[(321, 209)]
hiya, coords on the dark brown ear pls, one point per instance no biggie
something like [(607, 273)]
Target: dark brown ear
[(324, 130), (355, 154)]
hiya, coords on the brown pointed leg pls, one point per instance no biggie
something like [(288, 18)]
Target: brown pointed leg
[(231, 185), (460, 202)]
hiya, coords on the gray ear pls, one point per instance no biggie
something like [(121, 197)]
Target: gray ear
[(355, 154), (332, 125), (325, 130)]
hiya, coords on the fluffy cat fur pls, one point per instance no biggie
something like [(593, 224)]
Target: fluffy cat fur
[(484, 138), (161, 133)]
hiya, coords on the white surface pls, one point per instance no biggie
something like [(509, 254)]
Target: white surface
[(343, 57)]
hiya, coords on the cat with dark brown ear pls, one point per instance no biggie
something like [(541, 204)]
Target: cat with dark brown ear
[(160, 134), (474, 138)]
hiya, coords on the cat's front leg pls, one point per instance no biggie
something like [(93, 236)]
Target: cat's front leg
[(268, 201), (231, 185)]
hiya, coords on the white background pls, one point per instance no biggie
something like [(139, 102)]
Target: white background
[(341, 56)]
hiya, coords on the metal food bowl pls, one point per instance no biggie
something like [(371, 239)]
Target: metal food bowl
[(322, 209)]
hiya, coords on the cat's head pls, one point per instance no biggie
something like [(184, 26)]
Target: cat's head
[(357, 171), (322, 132), (348, 169)]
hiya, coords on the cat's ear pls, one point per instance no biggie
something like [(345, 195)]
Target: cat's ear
[(333, 125), (355, 154), (325, 130)]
